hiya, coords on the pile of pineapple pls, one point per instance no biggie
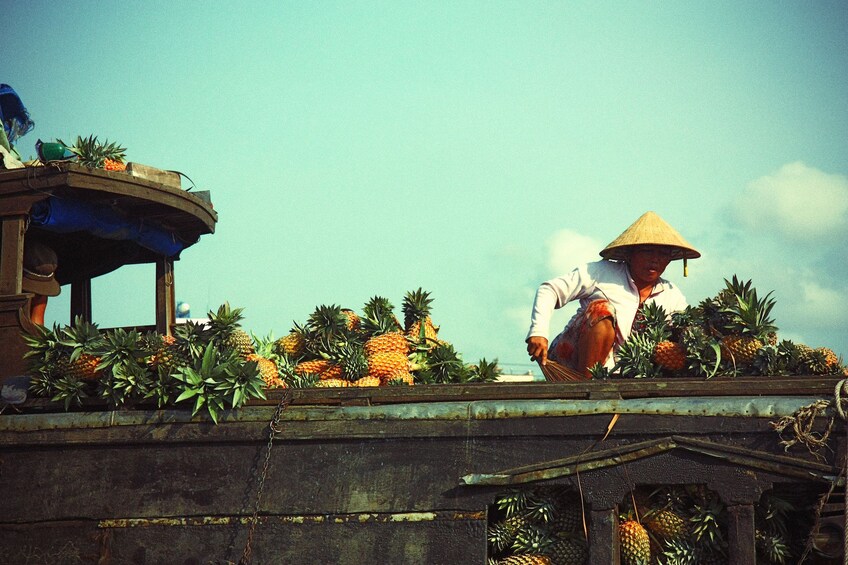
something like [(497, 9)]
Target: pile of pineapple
[(730, 334), (217, 365), (537, 526), (336, 347), (666, 525), (209, 365), (98, 155)]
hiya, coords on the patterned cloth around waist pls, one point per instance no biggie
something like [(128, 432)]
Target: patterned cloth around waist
[(564, 346)]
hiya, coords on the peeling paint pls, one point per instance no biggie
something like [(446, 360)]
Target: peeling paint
[(361, 518)]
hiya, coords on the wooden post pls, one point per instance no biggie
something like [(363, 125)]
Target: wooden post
[(166, 303), (81, 300), (603, 537), (11, 255), (741, 535)]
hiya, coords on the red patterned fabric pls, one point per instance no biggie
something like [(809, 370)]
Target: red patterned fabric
[(563, 347)]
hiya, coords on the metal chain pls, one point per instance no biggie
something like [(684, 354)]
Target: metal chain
[(274, 429)]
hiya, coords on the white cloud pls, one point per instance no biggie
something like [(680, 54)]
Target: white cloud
[(568, 249), (798, 201)]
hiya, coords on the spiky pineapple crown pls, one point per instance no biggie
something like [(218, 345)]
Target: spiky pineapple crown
[(416, 306), (377, 307), (92, 153), (225, 321), (749, 315)]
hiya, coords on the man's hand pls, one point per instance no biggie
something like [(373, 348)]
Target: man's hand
[(537, 347)]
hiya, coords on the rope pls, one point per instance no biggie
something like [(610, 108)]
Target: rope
[(842, 386)]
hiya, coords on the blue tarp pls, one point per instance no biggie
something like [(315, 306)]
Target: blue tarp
[(63, 215), (13, 114)]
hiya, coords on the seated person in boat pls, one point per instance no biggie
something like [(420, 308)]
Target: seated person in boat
[(612, 293)]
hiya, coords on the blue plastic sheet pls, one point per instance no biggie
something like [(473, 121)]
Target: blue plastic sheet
[(63, 215)]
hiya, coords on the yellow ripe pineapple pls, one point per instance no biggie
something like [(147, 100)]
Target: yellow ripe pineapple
[(333, 383), (382, 365), (635, 544), (353, 321), (267, 370), (400, 377), (670, 355), (367, 381), (323, 368), (831, 360), (291, 344), (83, 368), (392, 342)]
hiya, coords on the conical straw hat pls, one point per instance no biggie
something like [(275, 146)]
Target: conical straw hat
[(650, 229)]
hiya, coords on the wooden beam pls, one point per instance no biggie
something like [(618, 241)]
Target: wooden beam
[(166, 303), (741, 534), (81, 299), (603, 537), (11, 255)]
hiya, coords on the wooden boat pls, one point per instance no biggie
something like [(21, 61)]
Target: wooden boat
[(376, 475)]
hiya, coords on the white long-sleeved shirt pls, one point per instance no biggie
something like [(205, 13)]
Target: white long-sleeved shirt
[(609, 280)]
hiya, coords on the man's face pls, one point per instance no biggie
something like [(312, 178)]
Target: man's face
[(647, 263)]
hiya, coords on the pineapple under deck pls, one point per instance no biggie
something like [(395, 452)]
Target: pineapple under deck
[(397, 474)]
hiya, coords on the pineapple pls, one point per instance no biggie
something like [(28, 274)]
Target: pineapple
[(326, 325), (333, 383), (665, 524), (323, 368), (367, 381), (379, 308), (635, 357), (442, 364), (91, 153), (353, 320), (351, 358), (635, 543), (83, 339), (267, 370), (669, 355), (84, 368), (392, 342), (747, 324), (384, 365), (568, 551), (829, 359), (485, 371), (114, 165), (226, 332), (399, 378), (416, 318), (169, 355), (293, 344)]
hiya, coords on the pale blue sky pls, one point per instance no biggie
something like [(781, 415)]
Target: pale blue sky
[(475, 149)]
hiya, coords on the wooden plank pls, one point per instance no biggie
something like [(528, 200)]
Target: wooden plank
[(146, 172), (166, 306), (11, 254)]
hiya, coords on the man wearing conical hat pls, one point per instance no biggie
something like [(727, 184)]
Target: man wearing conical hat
[(612, 293)]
